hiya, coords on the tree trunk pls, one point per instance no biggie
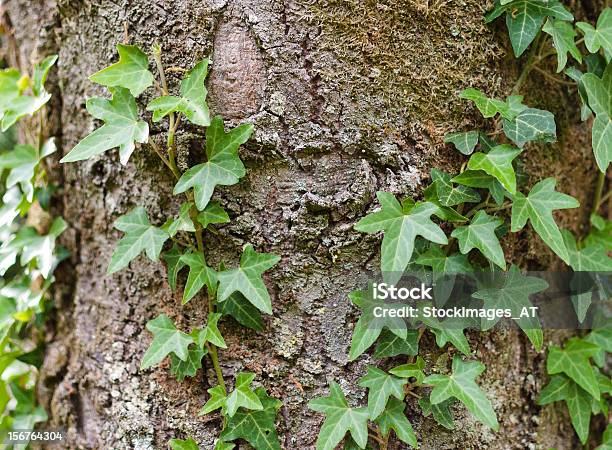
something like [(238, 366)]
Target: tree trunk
[(347, 97)]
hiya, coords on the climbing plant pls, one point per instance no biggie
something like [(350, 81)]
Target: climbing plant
[(28, 250), (480, 205), (248, 413)]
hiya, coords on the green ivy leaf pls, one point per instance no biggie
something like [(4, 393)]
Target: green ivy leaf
[(442, 212), (22, 161), (498, 164), (599, 238), (596, 38), (602, 337), (524, 18), (450, 195), (450, 330), (340, 419), (599, 92), (461, 385), (465, 142), (255, 427), (166, 339), (223, 167), (488, 107), (573, 361), (139, 236), (538, 207), (242, 395), (174, 262), (199, 276), (577, 399), (563, 35), (411, 370), (441, 411), (187, 444), (192, 101), (393, 418), (606, 443), (182, 223), (130, 72), (591, 258), (247, 279), (602, 141), (481, 179), (216, 401), (122, 128), (511, 290), (369, 327), (480, 234), (41, 70), (531, 124), (213, 213), (381, 386), (237, 306), (576, 75), (220, 445), (211, 332), (389, 344), (188, 368), (401, 229)]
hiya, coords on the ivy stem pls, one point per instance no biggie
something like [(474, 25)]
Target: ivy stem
[(529, 64), (597, 198), (164, 85)]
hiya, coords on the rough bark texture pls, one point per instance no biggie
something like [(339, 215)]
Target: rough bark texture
[(348, 97)]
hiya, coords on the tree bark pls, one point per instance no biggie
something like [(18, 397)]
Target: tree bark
[(347, 97)]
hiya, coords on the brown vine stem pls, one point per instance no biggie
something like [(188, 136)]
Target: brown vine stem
[(170, 162), (529, 64)]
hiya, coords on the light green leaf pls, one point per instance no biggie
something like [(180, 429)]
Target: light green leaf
[(531, 124), (187, 444), (563, 35), (213, 213), (390, 344), (166, 340), (481, 179), (598, 90), (130, 72), (480, 234), (449, 330), (411, 370), (538, 207), (591, 258), (192, 101), (22, 160), (182, 223), (122, 128), (41, 70), (573, 360), (450, 195), (401, 229), (393, 418), (216, 400), (237, 306), (188, 368), (524, 18), (602, 141), (174, 263), (441, 411), (465, 142), (211, 332), (606, 442), (255, 427), (511, 290), (498, 164), (223, 167), (461, 385), (139, 235), (369, 327), (488, 107), (381, 386), (199, 275), (340, 419), (596, 38), (247, 279), (242, 395)]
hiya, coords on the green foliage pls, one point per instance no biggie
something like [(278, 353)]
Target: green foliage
[(381, 386), (498, 164), (247, 279), (599, 36), (563, 35), (599, 92), (461, 385), (166, 340), (223, 167), (340, 418), (393, 418), (187, 444), (130, 72), (401, 224), (464, 142), (29, 253), (122, 127), (140, 236), (480, 234), (537, 207), (200, 275), (192, 102)]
